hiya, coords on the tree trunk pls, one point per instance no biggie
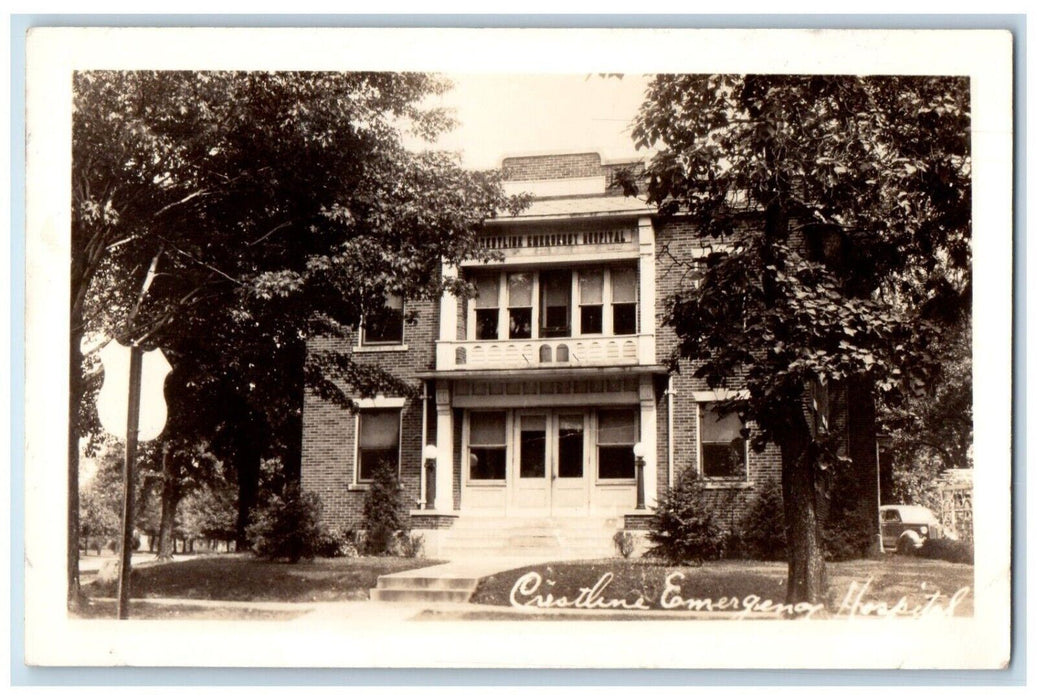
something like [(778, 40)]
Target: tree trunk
[(247, 458), (803, 517), (294, 396), (75, 397), (170, 501)]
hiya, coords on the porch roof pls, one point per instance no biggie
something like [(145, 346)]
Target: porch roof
[(546, 373)]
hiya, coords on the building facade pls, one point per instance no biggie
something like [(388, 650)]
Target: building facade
[(546, 396)]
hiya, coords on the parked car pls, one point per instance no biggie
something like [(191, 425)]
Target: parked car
[(906, 528)]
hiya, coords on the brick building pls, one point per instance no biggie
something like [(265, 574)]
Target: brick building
[(538, 392)]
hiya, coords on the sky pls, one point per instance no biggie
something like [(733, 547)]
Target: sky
[(504, 115)]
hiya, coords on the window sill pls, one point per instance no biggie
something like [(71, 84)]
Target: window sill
[(379, 348), (708, 483), (358, 487)]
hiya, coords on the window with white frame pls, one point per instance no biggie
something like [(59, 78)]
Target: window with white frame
[(384, 326), (617, 434), (487, 445), (554, 303), (520, 304), (624, 300), (722, 444), (487, 306), (378, 441)]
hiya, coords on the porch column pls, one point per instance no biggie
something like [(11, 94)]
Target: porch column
[(445, 358), (646, 292), (646, 393), (444, 451)]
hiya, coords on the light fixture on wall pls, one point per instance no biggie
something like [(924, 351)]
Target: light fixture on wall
[(429, 455)]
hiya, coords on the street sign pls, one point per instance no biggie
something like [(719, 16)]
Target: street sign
[(112, 399)]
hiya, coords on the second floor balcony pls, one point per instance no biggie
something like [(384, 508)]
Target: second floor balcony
[(545, 353)]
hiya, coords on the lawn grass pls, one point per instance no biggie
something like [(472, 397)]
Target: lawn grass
[(146, 610), (888, 579), (246, 578)]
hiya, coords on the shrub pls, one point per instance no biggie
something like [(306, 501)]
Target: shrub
[(957, 551), (332, 543), (849, 530), (410, 546), (624, 542), (685, 528), (288, 527), (762, 528), (384, 514)]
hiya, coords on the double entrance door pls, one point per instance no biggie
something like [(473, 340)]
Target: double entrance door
[(550, 468)]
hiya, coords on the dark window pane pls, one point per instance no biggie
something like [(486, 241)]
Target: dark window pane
[(556, 322), (624, 319), (531, 463), (369, 459), (521, 324), (385, 326), (724, 460), (486, 463), (555, 299), (590, 319), (486, 324), (570, 452), (616, 462)]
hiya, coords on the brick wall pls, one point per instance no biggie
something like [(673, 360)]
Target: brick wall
[(674, 242), (552, 167), (329, 432)]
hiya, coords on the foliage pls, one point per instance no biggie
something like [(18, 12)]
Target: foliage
[(210, 512), (409, 546), (227, 217), (384, 510), (837, 210), (624, 542), (957, 551), (762, 528), (685, 527), (932, 433), (850, 525), (288, 527)]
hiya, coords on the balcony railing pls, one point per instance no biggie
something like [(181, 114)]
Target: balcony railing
[(545, 352)]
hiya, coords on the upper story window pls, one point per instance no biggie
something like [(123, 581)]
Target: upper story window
[(384, 326), (520, 304), (723, 446), (624, 301), (487, 306), (554, 303)]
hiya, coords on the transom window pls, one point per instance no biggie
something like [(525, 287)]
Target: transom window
[(723, 445), (379, 441), (554, 303)]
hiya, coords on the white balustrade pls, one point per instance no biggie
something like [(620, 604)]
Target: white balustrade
[(545, 352)]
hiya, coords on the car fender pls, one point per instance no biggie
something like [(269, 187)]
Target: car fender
[(909, 540)]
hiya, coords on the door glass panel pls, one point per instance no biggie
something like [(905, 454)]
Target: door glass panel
[(532, 447), (570, 447)]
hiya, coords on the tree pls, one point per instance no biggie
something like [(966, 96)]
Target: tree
[(228, 217), (838, 209)]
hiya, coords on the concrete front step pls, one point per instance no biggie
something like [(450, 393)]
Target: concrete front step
[(426, 583), (420, 595)]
